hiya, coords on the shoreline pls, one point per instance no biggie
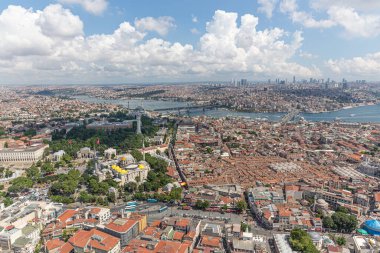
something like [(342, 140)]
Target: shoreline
[(343, 108), (231, 109), (270, 116)]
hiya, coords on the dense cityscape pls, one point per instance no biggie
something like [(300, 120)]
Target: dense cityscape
[(79, 175)]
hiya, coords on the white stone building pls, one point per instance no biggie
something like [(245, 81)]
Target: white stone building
[(109, 153), (57, 156), (32, 153), (86, 153)]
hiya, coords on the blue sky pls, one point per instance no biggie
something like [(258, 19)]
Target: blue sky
[(187, 40)]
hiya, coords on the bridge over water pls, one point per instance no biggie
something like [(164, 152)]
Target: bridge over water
[(290, 116), (188, 107)]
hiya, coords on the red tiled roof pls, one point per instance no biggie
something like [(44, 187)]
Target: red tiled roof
[(377, 196), (150, 230), (83, 239), (178, 235), (66, 248), (226, 200), (170, 171), (355, 157), (267, 214), (53, 244), (333, 249), (284, 212), (156, 223), (139, 246), (95, 210), (121, 225), (182, 223), (170, 247), (67, 215), (191, 234), (210, 241), (292, 188)]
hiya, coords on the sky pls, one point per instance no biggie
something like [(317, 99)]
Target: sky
[(137, 41)]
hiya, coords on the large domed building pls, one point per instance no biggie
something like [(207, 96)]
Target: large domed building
[(372, 227)]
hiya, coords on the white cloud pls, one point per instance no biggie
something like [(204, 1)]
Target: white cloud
[(267, 7), (194, 31), (307, 55), (95, 7), (364, 67), (354, 24), (58, 22), (32, 53), (194, 19), (359, 5), (161, 25), (342, 13), (290, 7), (19, 34)]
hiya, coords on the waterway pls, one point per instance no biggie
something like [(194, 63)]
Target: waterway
[(369, 113), (133, 103)]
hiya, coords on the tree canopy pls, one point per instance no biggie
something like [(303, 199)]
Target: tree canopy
[(20, 184), (202, 204), (241, 205), (301, 241), (341, 221)]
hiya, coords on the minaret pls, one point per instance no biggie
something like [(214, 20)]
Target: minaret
[(95, 161), (138, 118), (143, 144), (138, 130)]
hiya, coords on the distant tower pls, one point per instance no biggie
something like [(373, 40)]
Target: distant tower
[(294, 79), (138, 118)]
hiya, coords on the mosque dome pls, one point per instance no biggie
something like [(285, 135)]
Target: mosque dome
[(372, 227)]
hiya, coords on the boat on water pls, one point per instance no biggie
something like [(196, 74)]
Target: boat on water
[(352, 115), (261, 119)]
